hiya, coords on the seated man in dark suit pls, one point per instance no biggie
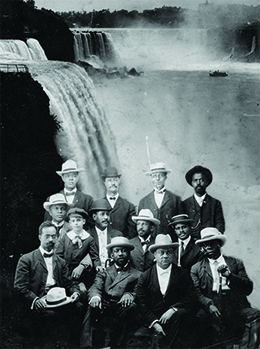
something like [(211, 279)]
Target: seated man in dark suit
[(121, 209), (102, 232), (141, 258), (203, 209), (70, 176), (39, 271), (165, 295), (188, 252), (112, 295), (222, 284), (161, 202)]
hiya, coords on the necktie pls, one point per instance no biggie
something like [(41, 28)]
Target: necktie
[(144, 242), (48, 255), (218, 277), (118, 269), (160, 191), (112, 198), (69, 193), (182, 248), (77, 240)]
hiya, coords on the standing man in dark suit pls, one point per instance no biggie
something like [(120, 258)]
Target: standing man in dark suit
[(222, 287), (203, 209), (102, 232), (39, 271), (165, 294), (161, 202), (70, 175), (121, 210), (188, 253), (141, 258)]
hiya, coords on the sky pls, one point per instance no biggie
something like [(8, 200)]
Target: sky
[(139, 5)]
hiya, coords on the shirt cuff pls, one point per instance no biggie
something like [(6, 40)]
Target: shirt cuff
[(154, 322), (35, 299)]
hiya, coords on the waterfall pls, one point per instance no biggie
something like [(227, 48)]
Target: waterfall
[(89, 43), (85, 134), (17, 49)]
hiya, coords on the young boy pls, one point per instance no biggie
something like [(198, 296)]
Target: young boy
[(75, 246), (57, 208)]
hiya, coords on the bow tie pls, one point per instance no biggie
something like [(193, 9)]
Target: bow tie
[(146, 242), (124, 268), (77, 241), (112, 198), (48, 255), (160, 191), (68, 193)]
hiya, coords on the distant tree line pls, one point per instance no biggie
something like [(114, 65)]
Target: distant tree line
[(207, 16)]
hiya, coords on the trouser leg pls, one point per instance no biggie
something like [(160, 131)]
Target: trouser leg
[(251, 335)]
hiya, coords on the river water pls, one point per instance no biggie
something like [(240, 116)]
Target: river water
[(191, 118)]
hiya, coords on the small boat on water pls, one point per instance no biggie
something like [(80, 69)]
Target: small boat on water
[(218, 73)]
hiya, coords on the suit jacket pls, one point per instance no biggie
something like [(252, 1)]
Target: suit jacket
[(179, 294), (171, 206), (210, 214), (240, 284), (121, 217), (141, 260), (111, 233), (191, 255), (74, 255), (31, 276), (110, 284), (81, 200)]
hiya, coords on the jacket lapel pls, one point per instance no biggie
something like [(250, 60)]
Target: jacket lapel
[(41, 259), (118, 277), (166, 198)]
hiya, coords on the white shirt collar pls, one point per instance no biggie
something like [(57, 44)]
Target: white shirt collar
[(43, 251), (185, 242), (58, 225), (199, 199), (69, 191), (220, 260), (83, 235), (160, 191), (142, 239), (99, 231), (163, 271), (112, 196)]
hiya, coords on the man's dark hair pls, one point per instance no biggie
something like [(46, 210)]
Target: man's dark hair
[(46, 224)]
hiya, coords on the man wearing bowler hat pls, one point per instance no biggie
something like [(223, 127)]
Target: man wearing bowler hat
[(102, 232), (222, 286), (36, 274), (165, 295), (141, 258), (121, 210), (188, 253), (70, 176), (112, 296), (203, 209)]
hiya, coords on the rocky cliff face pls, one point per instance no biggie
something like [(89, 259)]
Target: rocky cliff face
[(20, 20), (28, 162)]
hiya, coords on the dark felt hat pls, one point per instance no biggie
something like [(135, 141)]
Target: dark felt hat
[(199, 169), (100, 205), (110, 172)]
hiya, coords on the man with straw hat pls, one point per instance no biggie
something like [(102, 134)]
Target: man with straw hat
[(141, 258), (203, 209), (161, 202), (70, 176), (222, 286), (112, 296), (164, 295), (188, 253)]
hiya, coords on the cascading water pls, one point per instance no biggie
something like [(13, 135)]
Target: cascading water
[(18, 49), (93, 43), (85, 134)]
